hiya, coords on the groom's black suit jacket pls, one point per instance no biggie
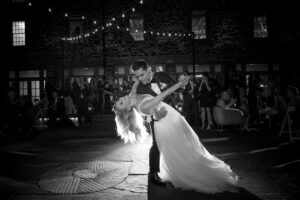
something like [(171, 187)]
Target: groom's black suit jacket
[(160, 78)]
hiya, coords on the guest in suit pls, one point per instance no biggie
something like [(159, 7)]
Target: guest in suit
[(152, 83)]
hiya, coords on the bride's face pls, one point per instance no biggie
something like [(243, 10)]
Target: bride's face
[(123, 103)]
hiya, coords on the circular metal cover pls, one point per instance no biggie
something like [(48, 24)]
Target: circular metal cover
[(84, 177)]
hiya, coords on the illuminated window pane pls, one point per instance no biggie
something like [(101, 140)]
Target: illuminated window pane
[(260, 27), (199, 25), (18, 31), (23, 88), (35, 90), (137, 27)]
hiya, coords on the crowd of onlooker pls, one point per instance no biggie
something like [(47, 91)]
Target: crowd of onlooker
[(260, 103), (81, 96), (78, 98)]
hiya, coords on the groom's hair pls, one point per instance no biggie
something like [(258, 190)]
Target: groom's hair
[(139, 64)]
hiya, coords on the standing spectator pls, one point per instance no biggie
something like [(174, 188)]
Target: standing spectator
[(205, 101), (187, 97), (54, 109), (77, 96), (108, 95), (83, 103), (242, 104), (100, 87), (253, 85)]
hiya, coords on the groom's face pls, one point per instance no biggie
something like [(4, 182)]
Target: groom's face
[(143, 75)]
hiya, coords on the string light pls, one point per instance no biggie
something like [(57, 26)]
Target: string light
[(109, 24)]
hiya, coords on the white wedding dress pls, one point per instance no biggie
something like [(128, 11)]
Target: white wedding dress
[(184, 161)]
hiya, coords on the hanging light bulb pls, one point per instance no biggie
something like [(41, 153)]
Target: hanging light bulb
[(141, 1), (66, 14), (96, 30), (49, 10), (95, 22), (133, 9), (113, 19), (123, 15), (29, 4), (145, 32), (151, 32), (169, 34), (118, 27), (157, 33), (136, 30), (127, 29), (83, 17)]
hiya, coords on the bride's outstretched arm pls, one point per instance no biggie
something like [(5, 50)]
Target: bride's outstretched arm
[(148, 106), (134, 87)]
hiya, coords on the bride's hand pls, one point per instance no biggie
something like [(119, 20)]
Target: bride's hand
[(184, 80)]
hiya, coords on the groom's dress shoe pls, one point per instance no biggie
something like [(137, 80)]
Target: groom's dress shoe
[(157, 180)]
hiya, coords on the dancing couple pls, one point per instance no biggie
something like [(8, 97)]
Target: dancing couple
[(176, 155)]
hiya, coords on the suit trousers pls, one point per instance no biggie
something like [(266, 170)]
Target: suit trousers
[(154, 152)]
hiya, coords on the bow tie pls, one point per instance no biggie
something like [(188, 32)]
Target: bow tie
[(152, 81)]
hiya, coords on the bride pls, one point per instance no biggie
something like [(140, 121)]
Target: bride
[(184, 161)]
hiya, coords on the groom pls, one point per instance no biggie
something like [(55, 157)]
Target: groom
[(153, 84)]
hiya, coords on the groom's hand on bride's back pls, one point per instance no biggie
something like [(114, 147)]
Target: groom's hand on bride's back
[(159, 113)]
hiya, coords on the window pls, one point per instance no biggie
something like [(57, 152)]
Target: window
[(75, 25), (18, 30), (137, 27), (18, 1), (83, 72), (260, 27), (23, 88), (29, 74), (199, 25), (35, 90)]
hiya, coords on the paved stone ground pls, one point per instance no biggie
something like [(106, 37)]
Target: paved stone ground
[(261, 160)]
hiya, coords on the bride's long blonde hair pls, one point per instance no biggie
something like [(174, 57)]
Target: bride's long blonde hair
[(130, 125)]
